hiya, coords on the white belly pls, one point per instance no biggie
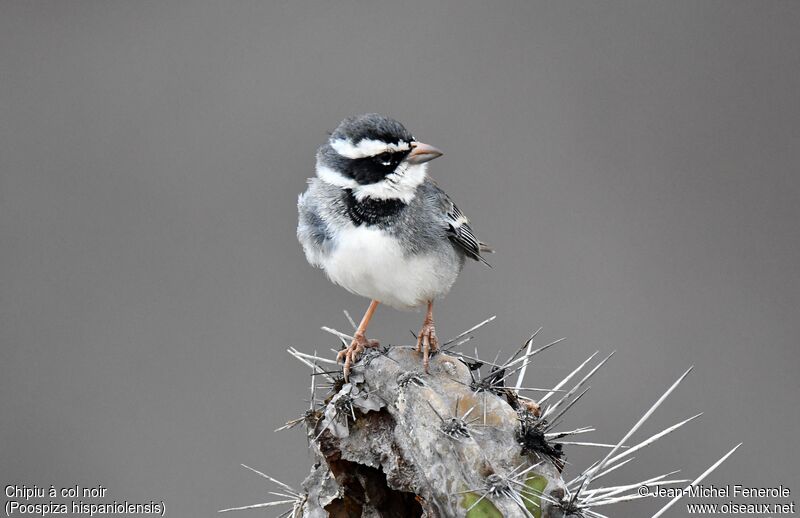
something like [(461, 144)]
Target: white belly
[(369, 263)]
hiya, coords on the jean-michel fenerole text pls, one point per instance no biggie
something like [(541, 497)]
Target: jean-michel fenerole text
[(722, 491)]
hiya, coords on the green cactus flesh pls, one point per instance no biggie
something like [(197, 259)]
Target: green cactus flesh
[(536, 484), (483, 509)]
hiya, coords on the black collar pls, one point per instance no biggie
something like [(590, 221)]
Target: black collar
[(370, 211)]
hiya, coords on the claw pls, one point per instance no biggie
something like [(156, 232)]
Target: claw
[(427, 342), (355, 349)]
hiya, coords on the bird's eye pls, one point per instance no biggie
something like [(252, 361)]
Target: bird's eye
[(384, 159)]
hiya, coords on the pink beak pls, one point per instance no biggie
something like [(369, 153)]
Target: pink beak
[(421, 153)]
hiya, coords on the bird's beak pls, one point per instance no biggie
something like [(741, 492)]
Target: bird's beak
[(421, 153)]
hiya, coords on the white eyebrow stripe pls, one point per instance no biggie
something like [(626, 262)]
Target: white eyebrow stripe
[(366, 147)]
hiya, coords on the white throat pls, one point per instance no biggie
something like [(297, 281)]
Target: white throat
[(400, 185)]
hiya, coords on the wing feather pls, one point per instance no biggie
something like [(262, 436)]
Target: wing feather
[(461, 234)]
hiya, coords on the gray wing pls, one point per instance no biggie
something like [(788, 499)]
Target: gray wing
[(312, 230), (458, 230)]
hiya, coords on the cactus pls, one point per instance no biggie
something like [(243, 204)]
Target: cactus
[(458, 441), (426, 443)]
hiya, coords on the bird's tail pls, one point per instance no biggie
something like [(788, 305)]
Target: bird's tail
[(484, 248)]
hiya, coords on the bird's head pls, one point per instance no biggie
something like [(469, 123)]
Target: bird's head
[(376, 157)]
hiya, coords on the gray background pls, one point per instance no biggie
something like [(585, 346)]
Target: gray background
[(634, 163)]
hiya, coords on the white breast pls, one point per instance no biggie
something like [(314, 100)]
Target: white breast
[(368, 262)]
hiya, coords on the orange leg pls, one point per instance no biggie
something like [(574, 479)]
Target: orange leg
[(359, 342), (427, 342)]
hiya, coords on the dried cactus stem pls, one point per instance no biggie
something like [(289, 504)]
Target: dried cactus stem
[(394, 441), (423, 445)]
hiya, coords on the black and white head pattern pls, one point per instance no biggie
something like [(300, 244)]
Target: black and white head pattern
[(367, 155)]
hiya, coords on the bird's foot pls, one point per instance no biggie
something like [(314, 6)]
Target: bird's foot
[(427, 343), (532, 407), (351, 354)]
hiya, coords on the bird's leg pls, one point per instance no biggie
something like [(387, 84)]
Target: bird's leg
[(427, 342), (359, 342)]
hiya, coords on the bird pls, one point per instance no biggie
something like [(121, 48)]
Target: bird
[(381, 228)]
